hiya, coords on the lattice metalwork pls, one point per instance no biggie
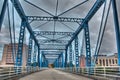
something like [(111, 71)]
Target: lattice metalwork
[(37, 33), (55, 18), (87, 42), (20, 45), (29, 51), (76, 52)]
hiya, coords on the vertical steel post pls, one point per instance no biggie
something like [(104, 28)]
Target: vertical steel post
[(34, 55), (117, 28), (70, 56), (20, 46), (41, 59), (3, 13), (76, 54), (29, 54), (58, 62), (63, 60), (87, 42), (38, 57), (66, 57)]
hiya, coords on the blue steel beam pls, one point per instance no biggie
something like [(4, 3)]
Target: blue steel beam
[(51, 52), (55, 18), (70, 55), (37, 33), (3, 13), (63, 62), (41, 58), (41, 41), (90, 14), (52, 46), (76, 52), (66, 57), (51, 49), (20, 44), (34, 55), (22, 15), (38, 56), (29, 52), (117, 28), (87, 42)]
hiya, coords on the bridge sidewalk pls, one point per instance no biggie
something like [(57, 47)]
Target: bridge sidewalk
[(52, 74)]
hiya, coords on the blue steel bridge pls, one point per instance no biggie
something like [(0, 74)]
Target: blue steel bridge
[(54, 36)]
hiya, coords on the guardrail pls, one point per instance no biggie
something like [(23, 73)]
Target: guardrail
[(15, 72), (112, 72)]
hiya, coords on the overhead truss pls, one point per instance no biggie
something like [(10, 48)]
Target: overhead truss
[(43, 41), (55, 18), (52, 47), (36, 33)]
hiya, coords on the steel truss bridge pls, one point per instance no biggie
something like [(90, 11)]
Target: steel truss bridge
[(57, 46)]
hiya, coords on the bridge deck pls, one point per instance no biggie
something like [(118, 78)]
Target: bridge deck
[(52, 74)]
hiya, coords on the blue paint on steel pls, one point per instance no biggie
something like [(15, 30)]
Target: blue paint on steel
[(42, 52), (66, 56), (117, 28), (76, 52), (22, 15), (70, 55), (63, 62), (38, 56), (3, 13), (46, 18), (29, 52), (87, 42), (90, 14), (34, 55), (20, 47)]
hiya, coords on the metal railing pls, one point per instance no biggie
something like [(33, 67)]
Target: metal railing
[(112, 72), (15, 72)]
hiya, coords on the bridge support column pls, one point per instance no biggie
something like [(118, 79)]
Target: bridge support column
[(87, 42), (38, 57), (29, 54), (117, 28), (41, 59), (70, 57), (76, 54), (34, 57), (44, 62), (20, 47), (63, 60), (66, 56), (88, 50)]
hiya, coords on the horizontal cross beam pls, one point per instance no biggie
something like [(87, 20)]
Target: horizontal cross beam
[(41, 41), (55, 18), (52, 48), (36, 33)]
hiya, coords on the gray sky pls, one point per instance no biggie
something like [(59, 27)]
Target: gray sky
[(109, 41)]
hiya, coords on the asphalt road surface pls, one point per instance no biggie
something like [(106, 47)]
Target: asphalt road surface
[(52, 74)]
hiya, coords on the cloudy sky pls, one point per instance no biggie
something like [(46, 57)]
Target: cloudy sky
[(109, 41)]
